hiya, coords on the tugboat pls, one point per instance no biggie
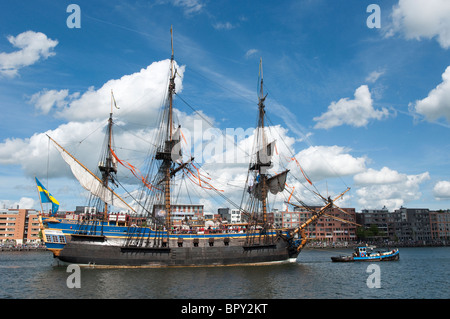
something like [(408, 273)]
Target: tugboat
[(362, 254)]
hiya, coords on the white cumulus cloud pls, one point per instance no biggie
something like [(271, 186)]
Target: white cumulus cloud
[(442, 190), (356, 112), (22, 203), (417, 19), (45, 100), (387, 187), (437, 103), (33, 46), (139, 95), (383, 176), (321, 162)]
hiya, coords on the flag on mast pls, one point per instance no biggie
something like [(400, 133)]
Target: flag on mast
[(114, 100), (46, 197)]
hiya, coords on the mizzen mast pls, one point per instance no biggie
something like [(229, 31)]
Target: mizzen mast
[(263, 160), (259, 181)]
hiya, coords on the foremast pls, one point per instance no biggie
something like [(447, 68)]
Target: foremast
[(91, 181)]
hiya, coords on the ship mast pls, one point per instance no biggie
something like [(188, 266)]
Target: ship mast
[(107, 166), (168, 162), (89, 180), (165, 153), (263, 161)]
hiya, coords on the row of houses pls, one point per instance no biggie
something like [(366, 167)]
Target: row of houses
[(338, 225), (343, 225), (407, 225)]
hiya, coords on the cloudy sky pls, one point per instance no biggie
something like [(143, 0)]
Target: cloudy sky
[(361, 94)]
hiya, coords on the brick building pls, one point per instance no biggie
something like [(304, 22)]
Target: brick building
[(21, 225), (440, 225), (325, 229)]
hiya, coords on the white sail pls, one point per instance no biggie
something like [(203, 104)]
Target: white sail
[(265, 155), (274, 184), (90, 181)]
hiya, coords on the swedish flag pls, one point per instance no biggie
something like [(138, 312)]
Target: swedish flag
[(46, 197)]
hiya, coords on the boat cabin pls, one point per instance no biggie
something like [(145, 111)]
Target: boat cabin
[(118, 219), (361, 251)]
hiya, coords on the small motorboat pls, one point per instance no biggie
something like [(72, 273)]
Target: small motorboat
[(362, 254)]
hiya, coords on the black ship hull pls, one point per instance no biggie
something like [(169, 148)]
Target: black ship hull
[(108, 254)]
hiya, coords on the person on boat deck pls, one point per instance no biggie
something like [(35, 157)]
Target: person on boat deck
[(250, 184)]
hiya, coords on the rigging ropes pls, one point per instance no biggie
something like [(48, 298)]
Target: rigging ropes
[(135, 171)]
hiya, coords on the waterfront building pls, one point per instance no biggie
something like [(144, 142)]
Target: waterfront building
[(412, 224), (440, 225), (236, 216), (183, 213), (20, 225), (419, 225), (231, 216), (380, 219), (275, 217), (331, 228), (225, 213)]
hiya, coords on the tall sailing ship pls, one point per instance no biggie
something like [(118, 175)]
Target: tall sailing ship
[(95, 241)]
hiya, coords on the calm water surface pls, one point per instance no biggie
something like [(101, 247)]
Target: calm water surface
[(420, 273)]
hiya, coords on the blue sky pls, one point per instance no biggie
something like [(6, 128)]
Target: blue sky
[(367, 108)]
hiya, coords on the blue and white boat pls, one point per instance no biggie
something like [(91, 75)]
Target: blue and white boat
[(362, 253)]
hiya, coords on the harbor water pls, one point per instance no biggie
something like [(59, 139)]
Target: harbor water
[(421, 273)]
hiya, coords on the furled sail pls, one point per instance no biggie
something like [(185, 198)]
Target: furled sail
[(176, 149), (90, 181), (264, 156), (274, 184)]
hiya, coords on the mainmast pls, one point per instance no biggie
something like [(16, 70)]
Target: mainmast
[(260, 182), (169, 161), (107, 165), (165, 154)]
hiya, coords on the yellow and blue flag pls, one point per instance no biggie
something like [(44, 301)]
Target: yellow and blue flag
[(46, 197)]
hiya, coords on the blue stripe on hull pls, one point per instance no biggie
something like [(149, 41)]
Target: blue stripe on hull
[(113, 231), (54, 245)]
